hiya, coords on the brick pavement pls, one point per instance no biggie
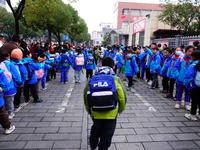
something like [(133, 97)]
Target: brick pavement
[(149, 122)]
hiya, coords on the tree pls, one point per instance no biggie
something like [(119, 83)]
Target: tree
[(183, 15), (17, 13), (106, 39)]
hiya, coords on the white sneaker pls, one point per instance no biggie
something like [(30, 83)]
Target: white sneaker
[(191, 117), (187, 107), (44, 89), (177, 106), (150, 82), (10, 130), (11, 115)]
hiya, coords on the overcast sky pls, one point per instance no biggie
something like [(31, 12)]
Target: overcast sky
[(96, 11)]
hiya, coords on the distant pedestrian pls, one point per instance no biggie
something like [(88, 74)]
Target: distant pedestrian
[(90, 64)]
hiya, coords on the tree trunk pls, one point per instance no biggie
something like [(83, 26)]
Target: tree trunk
[(16, 26), (49, 35)]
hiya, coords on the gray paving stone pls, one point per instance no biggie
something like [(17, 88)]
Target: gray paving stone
[(10, 137), (38, 124), (47, 130), (52, 119), (158, 119), (183, 145), (182, 118), (146, 130), (173, 124), (190, 129), (190, 124), (152, 124), (169, 130), (188, 136), (75, 136), (124, 131), (69, 130), (131, 125), (30, 137), (129, 146), (157, 146), (24, 130), (163, 137), (60, 124), (11, 145), (138, 138), (39, 144), (31, 119), (56, 137), (67, 144), (140, 120), (119, 139), (77, 124)]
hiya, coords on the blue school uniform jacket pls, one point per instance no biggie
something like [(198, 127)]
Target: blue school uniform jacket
[(180, 68), (89, 66), (4, 86), (148, 57), (16, 78), (166, 66), (60, 67), (143, 58), (171, 66), (190, 76), (119, 60), (33, 67), (21, 69), (131, 67), (155, 65)]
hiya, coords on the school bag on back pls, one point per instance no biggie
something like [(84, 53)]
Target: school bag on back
[(197, 79), (64, 61), (103, 94), (6, 72), (39, 73), (79, 60), (90, 60)]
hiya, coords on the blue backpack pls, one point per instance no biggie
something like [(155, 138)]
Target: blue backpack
[(103, 94), (64, 61), (90, 60), (197, 79), (29, 70)]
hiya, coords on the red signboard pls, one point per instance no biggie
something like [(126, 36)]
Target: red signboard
[(139, 26), (191, 41)]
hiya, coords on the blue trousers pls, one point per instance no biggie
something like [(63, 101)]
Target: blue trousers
[(64, 76), (143, 68), (77, 75), (43, 81), (179, 92)]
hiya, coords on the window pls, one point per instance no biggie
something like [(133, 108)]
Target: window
[(145, 12), (124, 24), (135, 12), (108, 26), (125, 12)]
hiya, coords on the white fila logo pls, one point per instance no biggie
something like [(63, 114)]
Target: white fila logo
[(101, 84)]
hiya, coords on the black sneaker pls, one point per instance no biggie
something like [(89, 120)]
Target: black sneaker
[(38, 101)]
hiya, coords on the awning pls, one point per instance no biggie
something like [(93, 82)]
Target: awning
[(165, 32), (118, 31)]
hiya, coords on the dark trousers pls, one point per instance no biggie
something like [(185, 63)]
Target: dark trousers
[(130, 81), (171, 86), (165, 83), (4, 121), (195, 95), (48, 74), (17, 97), (155, 80), (138, 74), (89, 73), (101, 133), (33, 89), (53, 73), (149, 76)]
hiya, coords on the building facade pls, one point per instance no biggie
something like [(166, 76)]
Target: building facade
[(126, 13), (2, 3)]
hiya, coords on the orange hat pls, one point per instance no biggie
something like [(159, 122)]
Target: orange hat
[(17, 54)]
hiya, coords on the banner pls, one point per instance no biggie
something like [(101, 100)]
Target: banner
[(139, 26)]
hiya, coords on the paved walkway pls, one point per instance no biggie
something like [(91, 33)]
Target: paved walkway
[(149, 122)]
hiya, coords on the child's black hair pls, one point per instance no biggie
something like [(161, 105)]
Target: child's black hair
[(169, 51), (188, 47), (42, 55), (46, 49), (35, 58), (26, 53), (63, 51), (108, 61), (3, 55)]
